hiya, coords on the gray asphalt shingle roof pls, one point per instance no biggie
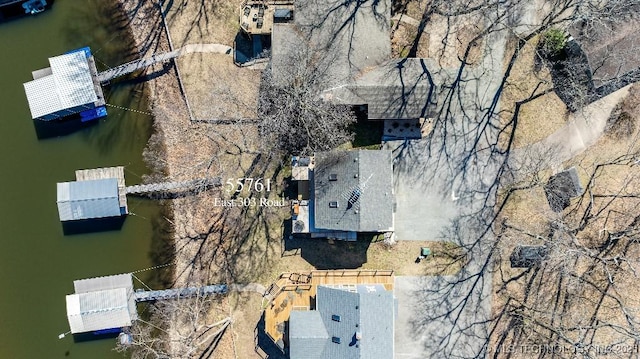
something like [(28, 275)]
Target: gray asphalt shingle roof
[(361, 317), (361, 196), (398, 89), (349, 45), (611, 47), (309, 333), (350, 35)]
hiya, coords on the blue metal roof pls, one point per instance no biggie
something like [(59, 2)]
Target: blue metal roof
[(88, 199)]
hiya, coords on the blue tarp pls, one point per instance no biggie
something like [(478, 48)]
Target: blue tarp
[(86, 49)]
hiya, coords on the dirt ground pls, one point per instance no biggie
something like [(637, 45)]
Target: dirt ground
[(530, 215), (540, 117), (443, 41)]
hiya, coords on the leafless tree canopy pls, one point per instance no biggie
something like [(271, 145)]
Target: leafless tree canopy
[(294, 119), (575, 298), (193, 332)]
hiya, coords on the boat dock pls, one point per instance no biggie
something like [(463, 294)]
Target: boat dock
[(101, 192), (103, 173), (153, 295), (109, 303)]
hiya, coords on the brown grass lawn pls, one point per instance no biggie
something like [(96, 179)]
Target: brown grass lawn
[(209, 22), (540, 117), (217, 88), (528, 211)]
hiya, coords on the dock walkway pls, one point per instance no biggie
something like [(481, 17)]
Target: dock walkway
[(173, 186), (146, 296), (133, 66)]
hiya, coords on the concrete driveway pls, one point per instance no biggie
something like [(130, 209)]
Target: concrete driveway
[(445, 188)]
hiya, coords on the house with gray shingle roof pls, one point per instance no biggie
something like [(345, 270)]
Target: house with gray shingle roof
[(349, 322), (348, 192), (349, 45), (353, 191)]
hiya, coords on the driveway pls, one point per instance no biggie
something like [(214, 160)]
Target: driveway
[(445, 189)]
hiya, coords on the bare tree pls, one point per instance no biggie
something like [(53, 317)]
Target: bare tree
[(472, 146), (178, 328), (294, 118)]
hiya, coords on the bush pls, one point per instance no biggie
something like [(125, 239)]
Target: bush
[(553, 42)]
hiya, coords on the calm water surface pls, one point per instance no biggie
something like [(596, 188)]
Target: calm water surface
[(37, 262)]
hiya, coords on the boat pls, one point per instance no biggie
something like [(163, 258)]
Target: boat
[(33, 7), (11, 9)]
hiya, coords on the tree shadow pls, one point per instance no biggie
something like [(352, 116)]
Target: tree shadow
[(325, 254), (264, 346)]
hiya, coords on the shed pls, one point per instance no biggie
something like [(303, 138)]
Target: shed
[(100, 304), (561, 188), (88, 199), (527, 256)]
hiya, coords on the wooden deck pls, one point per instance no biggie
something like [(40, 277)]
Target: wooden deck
[(297, 291), (256, 16), (107, 172)]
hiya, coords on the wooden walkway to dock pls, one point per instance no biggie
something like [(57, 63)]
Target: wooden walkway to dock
[(133, 66), (174, 186), (153, 295)]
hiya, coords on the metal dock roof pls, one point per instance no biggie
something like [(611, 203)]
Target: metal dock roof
[(88, 199), (69, 85), (101, 303)]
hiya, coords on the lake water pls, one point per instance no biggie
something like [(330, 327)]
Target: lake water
[(37, 262)]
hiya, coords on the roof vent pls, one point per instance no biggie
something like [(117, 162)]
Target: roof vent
[(333, 177), (335, 318), (335, 340), (355, 175), (333, 204), (358, 335)]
